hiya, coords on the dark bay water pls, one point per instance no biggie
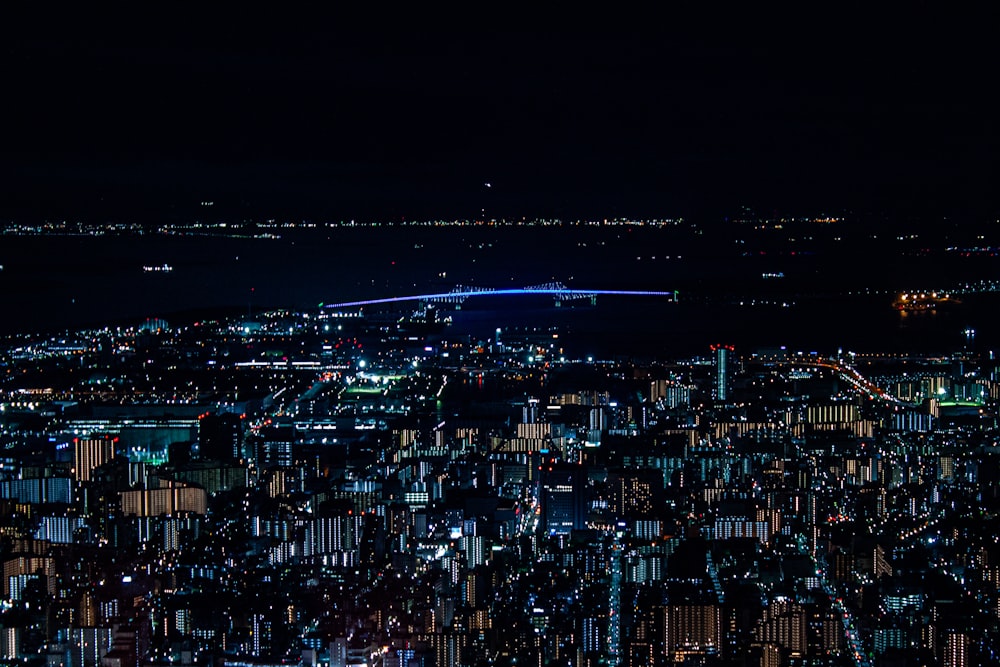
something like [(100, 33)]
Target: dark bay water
[(68, 282), (629, 327)]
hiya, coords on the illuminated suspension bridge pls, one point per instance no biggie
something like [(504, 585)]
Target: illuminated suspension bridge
[(460, 293)]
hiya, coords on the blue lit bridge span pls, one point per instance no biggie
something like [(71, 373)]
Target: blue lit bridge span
[(460, 293)]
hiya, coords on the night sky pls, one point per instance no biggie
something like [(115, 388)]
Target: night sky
[(329, 119)]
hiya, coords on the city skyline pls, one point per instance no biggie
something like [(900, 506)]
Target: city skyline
[(327, 486), (733, 398)]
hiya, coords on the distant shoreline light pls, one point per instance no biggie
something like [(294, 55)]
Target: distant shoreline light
[(261, 228)]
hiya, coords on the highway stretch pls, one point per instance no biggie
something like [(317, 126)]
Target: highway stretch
[(460, 293)]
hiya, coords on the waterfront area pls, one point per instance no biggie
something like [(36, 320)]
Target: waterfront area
[(331, 487), (487, 341)]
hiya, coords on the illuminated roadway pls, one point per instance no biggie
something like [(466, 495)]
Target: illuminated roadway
[(464, 293), (851, 635), (614, 600), (853, 377)]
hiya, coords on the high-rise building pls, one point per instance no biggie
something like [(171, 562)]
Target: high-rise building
[(38, 490), (220, 437), (529, 412), (563, 497), (956, 649), (723, 368), (89, 644), (692, 627), (261, 635), (89, 453), (10, 644), (276, 446), (636, 492), (25, 566), (598, 419), (784, 624), (168, 500), (592, 634)]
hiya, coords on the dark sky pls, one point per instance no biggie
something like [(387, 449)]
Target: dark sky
[(322, 118)]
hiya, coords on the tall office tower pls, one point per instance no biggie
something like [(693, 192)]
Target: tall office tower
[(723, 368), (598, 419), (563, 497), (692, 623), (10, 644), (90, 453), (276, 448), (261, 635), (956, 649), (636, 492), (529, 413), (784, 624), (220, 437)]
